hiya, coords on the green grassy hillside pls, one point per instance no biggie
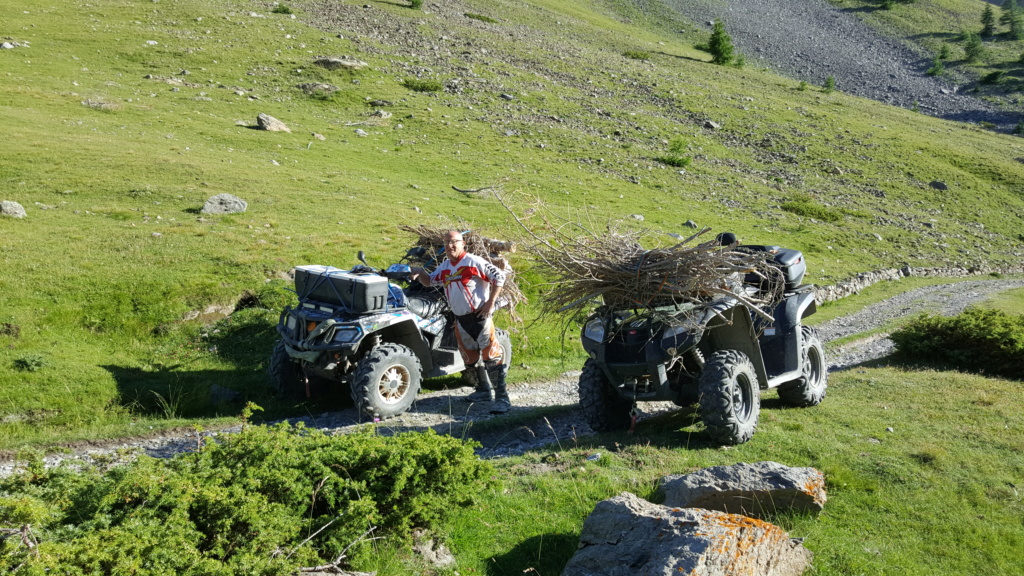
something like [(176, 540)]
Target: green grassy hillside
[(122, 118)]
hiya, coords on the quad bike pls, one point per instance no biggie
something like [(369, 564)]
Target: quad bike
[(718, 354), (361, 328)]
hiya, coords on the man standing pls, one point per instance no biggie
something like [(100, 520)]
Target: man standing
[(471, 286)]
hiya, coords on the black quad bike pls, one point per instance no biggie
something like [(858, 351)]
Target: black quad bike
[(718, 354), (362, 329)]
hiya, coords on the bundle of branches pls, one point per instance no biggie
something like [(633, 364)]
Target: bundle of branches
[(433, 239), (615, 268)]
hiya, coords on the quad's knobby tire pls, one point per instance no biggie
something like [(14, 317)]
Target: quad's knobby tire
[(730, 401), (603, 408), (469, 375), (285, 374), (809, 389), (386, 381)]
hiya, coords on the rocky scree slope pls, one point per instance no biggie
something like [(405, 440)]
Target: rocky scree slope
[(811, 40)]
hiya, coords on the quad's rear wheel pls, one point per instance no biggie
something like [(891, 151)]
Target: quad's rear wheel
[(603, 408), (730, 401), (809, 389), (386, 381), (469, 374)]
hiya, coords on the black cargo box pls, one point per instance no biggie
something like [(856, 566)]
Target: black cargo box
[(791, 262), (356, 292)]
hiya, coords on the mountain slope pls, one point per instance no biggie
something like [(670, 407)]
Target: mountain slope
[(123, 118)]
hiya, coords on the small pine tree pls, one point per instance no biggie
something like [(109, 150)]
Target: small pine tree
[(1016, 31), (944, 52), (830, 85), (937, 68), (972, 47), (1010, 10), (988, 22), (720, 44), (416, 4)]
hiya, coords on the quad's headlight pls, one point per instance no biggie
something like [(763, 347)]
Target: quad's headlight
[(346, 335), (594, 330)]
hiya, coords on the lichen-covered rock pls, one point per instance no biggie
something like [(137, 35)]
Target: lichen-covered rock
[(756, 489), (626, 536)]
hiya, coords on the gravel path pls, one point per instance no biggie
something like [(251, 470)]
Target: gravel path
[(811, 40), (447, 413)]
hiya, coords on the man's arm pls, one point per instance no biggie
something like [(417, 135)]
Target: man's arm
[(488, 308), (421, 275)]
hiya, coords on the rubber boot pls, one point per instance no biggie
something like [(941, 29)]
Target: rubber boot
[(502, 404), (481, 393)]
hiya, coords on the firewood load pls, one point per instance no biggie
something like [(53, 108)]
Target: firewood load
[(615, 269)]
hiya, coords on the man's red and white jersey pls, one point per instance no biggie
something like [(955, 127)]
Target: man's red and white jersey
[(467, 283)]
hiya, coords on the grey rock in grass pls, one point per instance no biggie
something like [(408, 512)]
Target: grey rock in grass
[(938, 185), (222, 395), (271, 124), (436, 554), (340, 63), (317, 88), (224, 204), (12, 209), (756, 489), (627, 535), (690, 224)]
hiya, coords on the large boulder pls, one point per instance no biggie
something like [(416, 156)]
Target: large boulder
[(12, 209), (271, 124), (340, 63), (626, 536), (757, 489), (224, 204)]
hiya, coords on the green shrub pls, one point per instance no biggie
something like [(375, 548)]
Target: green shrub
[(996, 77), (30, 363), (281, 9), (416, 4), (672, 160), (481, 18), (973, 48), (803, 86), (937, 68), (829, 86), (418, 85), (637, 54), (977, 340), (945, 52), (243, 505), (803, 205)]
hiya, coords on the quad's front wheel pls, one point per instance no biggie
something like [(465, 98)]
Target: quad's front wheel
[(285, 374), (604, 409), (809, 389), (386, 381), (730, 401)]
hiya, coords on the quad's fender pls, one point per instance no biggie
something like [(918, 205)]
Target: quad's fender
[(393, 328), (783, 348), (729, 327)]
